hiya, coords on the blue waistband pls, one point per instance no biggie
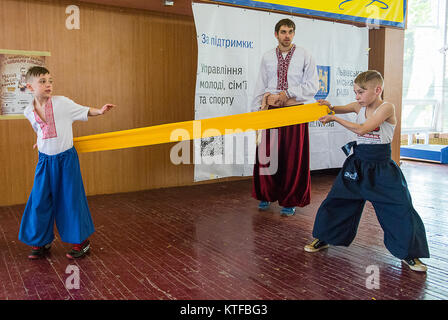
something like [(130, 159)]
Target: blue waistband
[(65, 153), (373, 152), (369, 152)]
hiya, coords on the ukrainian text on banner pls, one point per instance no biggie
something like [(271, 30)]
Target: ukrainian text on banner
[(231, 42), (385, 12), (14, 96)]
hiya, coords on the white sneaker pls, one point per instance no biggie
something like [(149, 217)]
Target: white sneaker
[(416, 265)]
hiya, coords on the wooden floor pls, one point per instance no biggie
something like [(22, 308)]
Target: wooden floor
[(211, 242)]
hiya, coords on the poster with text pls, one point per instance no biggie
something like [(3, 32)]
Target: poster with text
[(231, 42), (14, 96)]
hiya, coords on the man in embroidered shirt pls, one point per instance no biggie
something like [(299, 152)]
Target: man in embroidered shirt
[(288, 76), (58, 193)]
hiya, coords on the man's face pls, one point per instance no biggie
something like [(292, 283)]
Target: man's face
[(285, 36)]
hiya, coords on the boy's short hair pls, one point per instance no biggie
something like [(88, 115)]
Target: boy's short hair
[(35, 72), (369, 76), (285, 22)]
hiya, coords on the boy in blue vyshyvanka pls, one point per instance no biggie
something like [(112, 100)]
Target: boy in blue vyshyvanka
[(370, 174), (58, 193)]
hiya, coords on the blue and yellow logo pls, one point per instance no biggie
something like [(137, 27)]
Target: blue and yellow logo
[(324, 82), (385, 12)]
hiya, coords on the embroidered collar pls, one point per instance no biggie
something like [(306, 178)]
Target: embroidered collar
[(282, 67), (48, 128)]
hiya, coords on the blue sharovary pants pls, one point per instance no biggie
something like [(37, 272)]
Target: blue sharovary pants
[(369, 174), (57, 196)]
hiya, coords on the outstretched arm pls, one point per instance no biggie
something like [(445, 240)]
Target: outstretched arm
[(96, 112), (351, 107), (384, 113)]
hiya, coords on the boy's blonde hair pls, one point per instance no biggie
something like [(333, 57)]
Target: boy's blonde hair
[(35, 71), (370, 76)]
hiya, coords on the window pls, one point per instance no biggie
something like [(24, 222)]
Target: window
[(425, 93)]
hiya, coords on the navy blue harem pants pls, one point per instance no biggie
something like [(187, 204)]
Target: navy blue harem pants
[(369, 174)]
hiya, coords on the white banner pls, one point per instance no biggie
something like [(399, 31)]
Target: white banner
[(231, 42)]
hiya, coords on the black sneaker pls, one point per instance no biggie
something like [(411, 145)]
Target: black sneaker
[(79, 250), (316, 245), (39, 252), (416, 265)]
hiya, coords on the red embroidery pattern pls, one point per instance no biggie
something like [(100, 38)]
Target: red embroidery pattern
[(48, 128), (282, 68)]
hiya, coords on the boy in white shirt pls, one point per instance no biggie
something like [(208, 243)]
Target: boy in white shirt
[(58, 192)]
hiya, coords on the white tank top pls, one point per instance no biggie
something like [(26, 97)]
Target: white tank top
[(381, 135)]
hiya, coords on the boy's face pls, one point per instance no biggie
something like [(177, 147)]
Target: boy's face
[(285, 36), (368, 93), (41, 86)]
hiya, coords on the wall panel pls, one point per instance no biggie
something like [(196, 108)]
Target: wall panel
[(386, 56), (142, 61)]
